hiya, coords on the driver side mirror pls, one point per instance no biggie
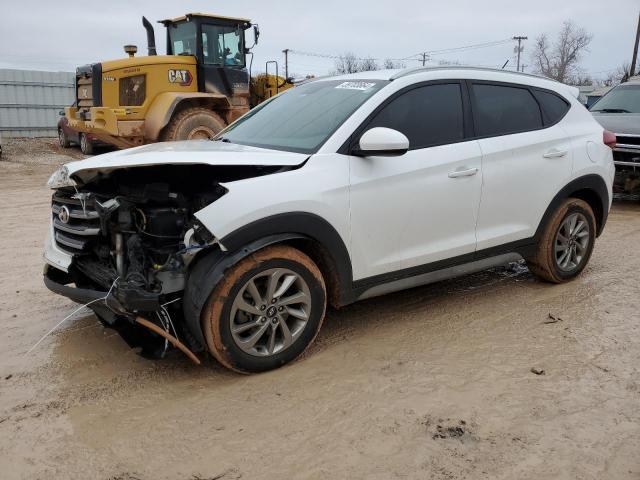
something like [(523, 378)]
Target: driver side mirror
[(382, 142), (256, 34)]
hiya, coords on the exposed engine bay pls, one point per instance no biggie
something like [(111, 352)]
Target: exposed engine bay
[(132, 234)]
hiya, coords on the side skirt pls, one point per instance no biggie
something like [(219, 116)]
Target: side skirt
[(441, 270), (439, 275)]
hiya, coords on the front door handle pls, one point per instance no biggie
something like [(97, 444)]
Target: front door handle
[(466, 172), (553, 153)]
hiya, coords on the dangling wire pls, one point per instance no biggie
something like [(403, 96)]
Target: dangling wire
[(71, 314)]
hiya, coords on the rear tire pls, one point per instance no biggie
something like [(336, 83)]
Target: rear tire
[(63, 140), (86, 146), (566, 244), (266, 311), (196, 123)]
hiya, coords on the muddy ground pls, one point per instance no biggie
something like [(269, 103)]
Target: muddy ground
[(433, 382)]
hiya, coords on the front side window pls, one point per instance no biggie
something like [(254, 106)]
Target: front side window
[(501, 110), (302, 118), (427, 116), (223, 45), (622, 99), (182, 37)]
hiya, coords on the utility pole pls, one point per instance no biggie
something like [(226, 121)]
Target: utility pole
[(523, 67), (519, 39), (286, 63), (632, 70), (424, 58)]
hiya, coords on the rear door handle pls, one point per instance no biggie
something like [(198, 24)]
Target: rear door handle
[(469, 172), (553, 153)]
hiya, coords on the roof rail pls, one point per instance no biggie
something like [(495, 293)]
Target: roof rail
[(411, 71)]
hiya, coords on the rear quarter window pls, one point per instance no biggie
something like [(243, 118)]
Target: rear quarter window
[(554, 107), (503, 109)]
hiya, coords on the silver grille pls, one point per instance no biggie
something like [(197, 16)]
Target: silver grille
[(76, 224)]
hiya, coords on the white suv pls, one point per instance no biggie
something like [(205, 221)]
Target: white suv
[(337, 190)]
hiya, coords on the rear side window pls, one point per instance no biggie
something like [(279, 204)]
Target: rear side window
[(429, 115), (500, 110), (553, 107)]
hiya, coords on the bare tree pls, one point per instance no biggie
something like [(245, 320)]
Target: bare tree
[(349, 63), (618, 76), (581, 80), (368, 64), (560, 60), (390, 64)]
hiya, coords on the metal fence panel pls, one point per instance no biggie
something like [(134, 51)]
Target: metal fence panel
[(30, 101)]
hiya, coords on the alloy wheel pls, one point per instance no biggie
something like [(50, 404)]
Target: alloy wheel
[(270, 312), (572, 242)]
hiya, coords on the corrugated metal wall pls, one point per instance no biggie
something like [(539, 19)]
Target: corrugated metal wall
[(30, 101)]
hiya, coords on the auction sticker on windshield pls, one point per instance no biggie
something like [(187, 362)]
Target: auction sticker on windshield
[(356, 85)]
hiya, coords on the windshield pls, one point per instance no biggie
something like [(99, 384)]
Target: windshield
[(182, 37), (302, 118), (622, 99)]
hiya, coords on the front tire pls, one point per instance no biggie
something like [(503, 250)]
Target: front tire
[(195, 123), (266, 311), (86, 147), (566, 243)]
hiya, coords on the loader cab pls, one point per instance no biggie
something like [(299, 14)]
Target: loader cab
[(218, 44)]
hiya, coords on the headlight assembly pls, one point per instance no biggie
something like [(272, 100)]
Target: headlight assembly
[(60, 178)]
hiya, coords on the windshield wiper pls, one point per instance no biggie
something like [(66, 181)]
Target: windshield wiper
[(222, 139), (612, 110)]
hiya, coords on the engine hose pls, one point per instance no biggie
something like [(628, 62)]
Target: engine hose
[(174, 341)]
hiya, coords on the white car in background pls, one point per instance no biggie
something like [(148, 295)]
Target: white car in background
[(334, 191)]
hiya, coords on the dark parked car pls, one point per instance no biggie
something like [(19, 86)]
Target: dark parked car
[(68, 135), (619, 112)]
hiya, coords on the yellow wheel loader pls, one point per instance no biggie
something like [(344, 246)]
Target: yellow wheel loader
[(194, 91)]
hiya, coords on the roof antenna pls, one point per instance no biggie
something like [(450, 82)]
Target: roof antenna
[(505, 64)]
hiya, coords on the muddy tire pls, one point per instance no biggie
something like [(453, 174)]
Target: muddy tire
[(566, 243), (266, 311), (63, 140), (86, 147), (197, 123)]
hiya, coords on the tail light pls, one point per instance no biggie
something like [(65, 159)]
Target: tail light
[(609, 138)]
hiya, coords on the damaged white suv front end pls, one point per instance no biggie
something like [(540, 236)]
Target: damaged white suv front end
[(125, 226)]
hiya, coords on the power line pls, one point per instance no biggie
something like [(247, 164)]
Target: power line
[(421, 55)]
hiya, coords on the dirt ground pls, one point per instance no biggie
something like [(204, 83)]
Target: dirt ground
[(433, 382)]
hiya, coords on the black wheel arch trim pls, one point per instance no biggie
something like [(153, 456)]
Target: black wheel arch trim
[(305, 225), (590, 182)]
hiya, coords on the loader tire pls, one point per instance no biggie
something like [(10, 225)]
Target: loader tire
[(196, 123), (566, 244)]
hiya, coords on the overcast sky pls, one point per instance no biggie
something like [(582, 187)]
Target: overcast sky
[(59, 35)]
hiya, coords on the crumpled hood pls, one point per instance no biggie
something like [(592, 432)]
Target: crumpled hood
[(620, 123), (203, 152)]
